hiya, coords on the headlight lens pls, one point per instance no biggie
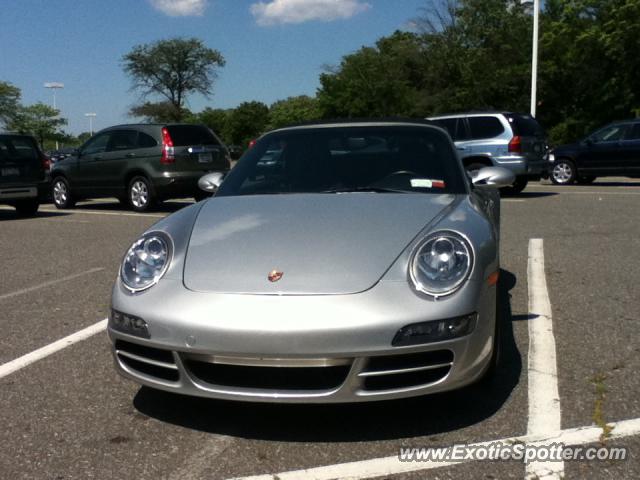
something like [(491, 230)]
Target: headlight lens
[(441, 264), (146, 261), (552, 157)]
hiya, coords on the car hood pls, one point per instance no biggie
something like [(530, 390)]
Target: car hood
[(322, 244)]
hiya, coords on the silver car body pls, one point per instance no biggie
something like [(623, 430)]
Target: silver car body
[(343, 296)]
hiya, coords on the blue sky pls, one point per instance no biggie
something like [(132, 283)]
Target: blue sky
[(274, 48)]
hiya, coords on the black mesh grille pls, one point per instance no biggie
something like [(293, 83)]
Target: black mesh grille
[(269, 378)]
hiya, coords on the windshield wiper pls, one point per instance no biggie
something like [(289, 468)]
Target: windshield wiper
[(366, 189)]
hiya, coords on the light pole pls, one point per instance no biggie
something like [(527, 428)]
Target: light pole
[(90, 116), (54, 86), (534, 57)]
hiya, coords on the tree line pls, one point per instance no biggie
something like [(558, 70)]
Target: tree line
[(458, 55)]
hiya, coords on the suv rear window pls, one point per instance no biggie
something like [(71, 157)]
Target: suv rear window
[(525, 126), (17, 148), (485, 127), (185, 135)]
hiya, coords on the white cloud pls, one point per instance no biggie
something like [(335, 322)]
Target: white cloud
[(180, 8), (276, 12)]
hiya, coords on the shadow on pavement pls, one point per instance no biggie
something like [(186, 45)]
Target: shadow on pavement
[(108, 205), (530, 195), (394, 419), (10, 214)]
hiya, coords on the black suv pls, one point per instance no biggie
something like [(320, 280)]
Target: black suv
[(23, 173), (613, 150), (140, 165)]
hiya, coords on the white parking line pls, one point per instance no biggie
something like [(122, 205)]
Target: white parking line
[(544, 400), (21, 362), (380, 467), (49, 283)]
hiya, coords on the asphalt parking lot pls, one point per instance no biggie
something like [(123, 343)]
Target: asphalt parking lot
[(68, 415)]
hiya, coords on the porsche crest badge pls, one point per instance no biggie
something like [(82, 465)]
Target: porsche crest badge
[(275, 275)]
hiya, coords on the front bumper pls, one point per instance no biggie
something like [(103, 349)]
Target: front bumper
[(300, 349)]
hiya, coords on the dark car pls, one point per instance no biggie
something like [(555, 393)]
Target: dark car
[(613, 150), (140, 165), (23, 173)]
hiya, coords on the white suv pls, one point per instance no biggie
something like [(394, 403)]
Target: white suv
[(511, 140)]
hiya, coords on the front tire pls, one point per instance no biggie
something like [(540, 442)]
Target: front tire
[(518, 186), (563, 172), (27, 208), (61, 193), (140, 194)]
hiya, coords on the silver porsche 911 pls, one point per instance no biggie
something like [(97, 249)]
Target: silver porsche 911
[(337, 262)]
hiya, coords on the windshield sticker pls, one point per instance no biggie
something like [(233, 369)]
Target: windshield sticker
[(426, 183)]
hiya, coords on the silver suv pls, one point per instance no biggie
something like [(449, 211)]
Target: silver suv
[(511, 140)]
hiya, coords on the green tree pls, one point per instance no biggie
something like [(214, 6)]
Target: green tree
[(247, 122), (375, 81), (159, 112), (216, 119), (9, 101), (172, 69), (293, 110), (588, 71), (39, 120), (480, 58), (83, 137)]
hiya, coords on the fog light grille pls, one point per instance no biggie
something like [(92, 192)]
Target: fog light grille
[(392, 372)]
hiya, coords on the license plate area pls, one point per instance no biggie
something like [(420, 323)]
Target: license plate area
[(205, 157), (10, 171)]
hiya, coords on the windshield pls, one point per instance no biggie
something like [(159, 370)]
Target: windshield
[(394, 159)]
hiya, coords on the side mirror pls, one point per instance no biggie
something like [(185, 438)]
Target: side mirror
[(494, 177), (211, 182)]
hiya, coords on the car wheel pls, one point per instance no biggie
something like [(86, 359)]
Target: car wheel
[(563, 172), (61, 193), (140, 194), (586, 179), (27, 208), (518, 186)]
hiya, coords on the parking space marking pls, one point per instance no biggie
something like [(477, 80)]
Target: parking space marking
[(26, 360), (544, 399), (380, 467), (49, 283)]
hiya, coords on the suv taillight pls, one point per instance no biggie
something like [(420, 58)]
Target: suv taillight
[(46, 162), (168, 154), (515, 145)]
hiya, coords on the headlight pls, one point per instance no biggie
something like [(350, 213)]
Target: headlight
[(552, 157), (441, 263), (146, 261)]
